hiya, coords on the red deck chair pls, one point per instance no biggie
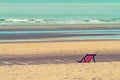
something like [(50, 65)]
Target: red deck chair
[(87, 58)]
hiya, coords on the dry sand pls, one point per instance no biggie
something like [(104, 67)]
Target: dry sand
[(90, 71), (66, 71), (61, 48)]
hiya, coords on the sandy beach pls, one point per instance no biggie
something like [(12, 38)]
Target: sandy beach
[(19, 61), (58, 52), (91, 71), (60, 48), (58, 60), (46, 39)]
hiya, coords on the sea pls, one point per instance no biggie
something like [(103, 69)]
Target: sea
[(45, 14), (22, 14)]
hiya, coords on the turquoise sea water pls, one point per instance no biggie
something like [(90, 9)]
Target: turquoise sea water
[(37, 14)]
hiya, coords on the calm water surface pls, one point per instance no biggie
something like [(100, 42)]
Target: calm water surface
[(59, 35)]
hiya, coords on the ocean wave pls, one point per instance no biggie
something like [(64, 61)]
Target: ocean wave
[(49, 21), (2, 19)]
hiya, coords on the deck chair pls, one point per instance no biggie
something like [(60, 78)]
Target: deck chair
[(87, 58)]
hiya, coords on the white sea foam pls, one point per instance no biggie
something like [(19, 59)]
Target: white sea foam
[(16, 20), (47, 21), (95, 21)]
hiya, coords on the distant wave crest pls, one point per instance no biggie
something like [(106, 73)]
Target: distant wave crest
[(48, 21)]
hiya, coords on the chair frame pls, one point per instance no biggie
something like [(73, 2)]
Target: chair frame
[(83, 60)]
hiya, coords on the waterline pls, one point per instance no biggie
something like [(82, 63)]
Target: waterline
[(59, 35)]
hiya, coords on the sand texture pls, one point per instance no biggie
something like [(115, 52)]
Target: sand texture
[(61, 48), (20, 61), (90, 71)]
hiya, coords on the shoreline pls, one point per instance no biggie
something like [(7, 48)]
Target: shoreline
[(58, 35), (97, 40), (60, 27)]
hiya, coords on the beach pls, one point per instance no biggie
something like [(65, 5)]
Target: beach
[(90, 71), (58, 52), (46, 39), (49, 33), (58, 60), (60, 48), (51, 53)]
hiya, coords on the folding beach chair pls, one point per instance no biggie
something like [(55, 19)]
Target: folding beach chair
[(87, 58)]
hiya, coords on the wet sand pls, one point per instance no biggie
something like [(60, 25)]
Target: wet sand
[(48, 59), (59, 33), (60, 27), (45, 36)]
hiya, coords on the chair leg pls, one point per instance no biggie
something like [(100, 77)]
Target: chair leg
[(94, 59)]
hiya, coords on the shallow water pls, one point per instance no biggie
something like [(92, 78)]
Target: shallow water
[(59, 35)]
